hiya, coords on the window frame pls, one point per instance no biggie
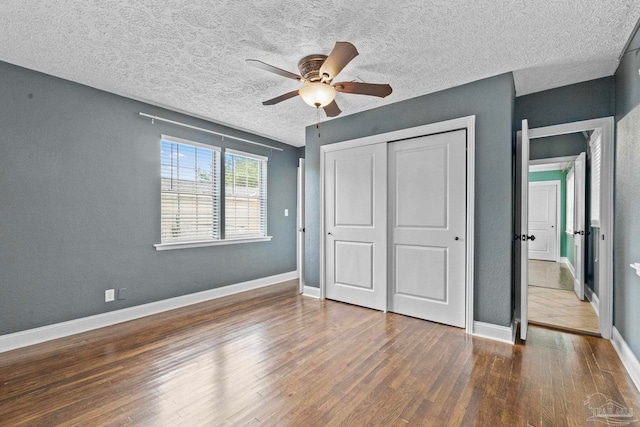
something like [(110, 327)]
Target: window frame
[(262, 198), (221, 190)]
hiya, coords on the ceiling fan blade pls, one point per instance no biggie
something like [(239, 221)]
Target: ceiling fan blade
[(340, 56), (264, 66), (332, 109), (372, 89), (281, 98)]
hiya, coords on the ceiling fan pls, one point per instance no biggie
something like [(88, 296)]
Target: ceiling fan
[(317, 74)]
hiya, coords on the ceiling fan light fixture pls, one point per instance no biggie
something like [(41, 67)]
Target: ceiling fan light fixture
[(317, 94)]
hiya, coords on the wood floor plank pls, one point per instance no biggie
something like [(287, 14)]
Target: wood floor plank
[(271, 357)]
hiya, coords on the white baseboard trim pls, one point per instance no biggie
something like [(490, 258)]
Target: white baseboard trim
[(84, 324), (566, 262), (629, 360), (593, 299), (494, 332), (310, 291)]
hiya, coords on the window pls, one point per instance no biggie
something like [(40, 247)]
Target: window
[(192, 209), (245, 195), (595, 145), (570, 201), (190, 188)]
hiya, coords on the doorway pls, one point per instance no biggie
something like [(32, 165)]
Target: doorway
[(556, 193), (574, 291)]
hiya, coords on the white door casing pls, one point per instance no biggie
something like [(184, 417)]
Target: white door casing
[(543, 218), (579, 224), (356, 225), (427, 200), (300, 225), (522, 226)]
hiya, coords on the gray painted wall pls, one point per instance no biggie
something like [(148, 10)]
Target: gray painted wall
[(492, 101), (627, 199), (557, 146), (580, 101), (80, 205)]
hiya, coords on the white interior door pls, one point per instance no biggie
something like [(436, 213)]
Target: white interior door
[(543, 214), (356, 225), (579, 224), (428, 223), (522, 226)]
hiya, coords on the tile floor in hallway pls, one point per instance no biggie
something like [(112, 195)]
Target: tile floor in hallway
[(553, 303)]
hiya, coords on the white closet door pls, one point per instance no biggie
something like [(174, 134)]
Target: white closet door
[(428, 223), (356, 225)]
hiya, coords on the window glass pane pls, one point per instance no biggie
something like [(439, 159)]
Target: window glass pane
[(189, 192), (245, 196)]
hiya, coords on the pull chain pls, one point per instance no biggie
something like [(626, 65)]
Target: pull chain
[(318, 120)]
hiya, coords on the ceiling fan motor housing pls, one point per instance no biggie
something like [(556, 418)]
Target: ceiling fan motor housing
[(309, 67)]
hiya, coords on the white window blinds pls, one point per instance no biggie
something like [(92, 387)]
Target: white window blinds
[(190, 187), (245, 195), (595, 145), (570, 195)]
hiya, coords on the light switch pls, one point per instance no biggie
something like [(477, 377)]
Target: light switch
[(286, 212)]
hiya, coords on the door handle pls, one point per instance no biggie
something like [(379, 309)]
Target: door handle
[(525, 237), (456, 238), (329, 233)]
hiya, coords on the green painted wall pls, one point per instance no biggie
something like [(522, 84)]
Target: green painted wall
[(566, 241)]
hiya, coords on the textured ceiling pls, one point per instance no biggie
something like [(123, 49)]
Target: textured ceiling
[(189, 56)]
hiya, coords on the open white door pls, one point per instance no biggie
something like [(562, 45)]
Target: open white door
[(522, 225), (355, 215), (579, 224), (300, 225)]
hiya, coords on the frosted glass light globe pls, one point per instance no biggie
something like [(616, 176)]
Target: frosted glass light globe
[(317, 94)]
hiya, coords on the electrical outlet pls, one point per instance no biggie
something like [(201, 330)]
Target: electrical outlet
[(122, 294), (286, 212), (109, 295)]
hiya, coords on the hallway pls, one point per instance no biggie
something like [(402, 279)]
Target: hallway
[(553, 303)]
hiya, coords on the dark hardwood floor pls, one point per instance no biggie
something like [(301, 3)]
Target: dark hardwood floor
[(273, 357)]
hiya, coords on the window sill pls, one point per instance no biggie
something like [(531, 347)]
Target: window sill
[(201, 244)]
